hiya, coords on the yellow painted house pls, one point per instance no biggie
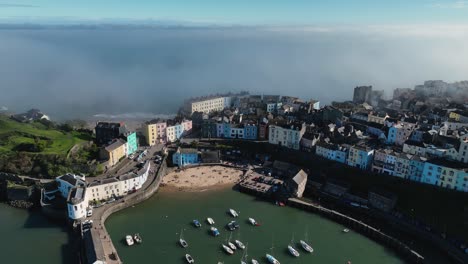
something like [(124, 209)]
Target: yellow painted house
[(114, 152), (455, 116)]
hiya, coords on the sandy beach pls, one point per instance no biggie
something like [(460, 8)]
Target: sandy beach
[(200, 178)]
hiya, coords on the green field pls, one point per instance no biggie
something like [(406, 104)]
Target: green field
[(14, 134)]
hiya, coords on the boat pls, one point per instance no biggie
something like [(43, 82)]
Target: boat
[(210, 221), (196, 223), (182, 241), (306, 246), (233, 213), (233, 225), (232, 246), (214, 231), (137, 238), (271, 259), (253, 261), (346, 230), (129, 240), (253, 222), (189, 258), (239, 244), (293, 251), (227, 249)]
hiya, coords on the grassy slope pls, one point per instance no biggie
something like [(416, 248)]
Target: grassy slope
[(61, 141)]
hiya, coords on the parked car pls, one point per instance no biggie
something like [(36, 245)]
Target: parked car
[(89, 212), (111, 200)]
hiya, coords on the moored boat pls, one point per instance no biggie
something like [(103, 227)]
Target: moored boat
[(239, 244), (271, 259), (232, 246), (137, 238), (189, 258), (214, 231), (306, 246), (196, 223), (233, 213), (182, 241), (346, 230), (293, 251), (253, 261), (228, 249), (253, 222), (210, 221), (129, 240)]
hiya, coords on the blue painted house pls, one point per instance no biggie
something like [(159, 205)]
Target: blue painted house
[(184, 157), (250, 131)]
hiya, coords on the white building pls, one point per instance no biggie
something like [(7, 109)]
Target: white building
[(211, 104), (67, 182), (79, 194), (288, 136)]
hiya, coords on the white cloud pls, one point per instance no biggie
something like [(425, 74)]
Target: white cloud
[(459, 4)]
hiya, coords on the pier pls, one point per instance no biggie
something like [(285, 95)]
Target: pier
[(356, 225), (97, 244)]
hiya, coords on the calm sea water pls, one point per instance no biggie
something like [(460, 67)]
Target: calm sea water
[(160, 220), (29, 237)]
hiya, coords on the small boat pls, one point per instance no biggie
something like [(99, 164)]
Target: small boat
[(253, 261), (271, 259), (306, 246), (346, 230), (137, 238), (239, 244), (253, 222), (228, 249), (233, 225), (293, 251), (196, 223), (182, 241), (129, 240), (232, 246), (210, 221), (189, 258), (214, 231), (233, 213)]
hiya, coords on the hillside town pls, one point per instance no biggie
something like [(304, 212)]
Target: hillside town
[(420, 135)]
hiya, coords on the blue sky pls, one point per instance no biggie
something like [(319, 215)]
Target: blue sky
[(245, 12)]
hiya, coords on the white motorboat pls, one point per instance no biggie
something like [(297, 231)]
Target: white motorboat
[(306, 246), (253, 261), (293, 251), (210, 221), (182, 241), (228, 249), (189, 258), (239, 244), (271, 259), (346, 230), (232, 246), (129, 240), (233, 213), (253, 222)]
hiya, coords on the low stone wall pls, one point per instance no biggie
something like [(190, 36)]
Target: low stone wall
[(401, 248)]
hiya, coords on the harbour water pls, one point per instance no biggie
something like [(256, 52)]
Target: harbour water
[(160, 220), (29, 237)]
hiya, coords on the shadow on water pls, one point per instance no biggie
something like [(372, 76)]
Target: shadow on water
[(69, 250)]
